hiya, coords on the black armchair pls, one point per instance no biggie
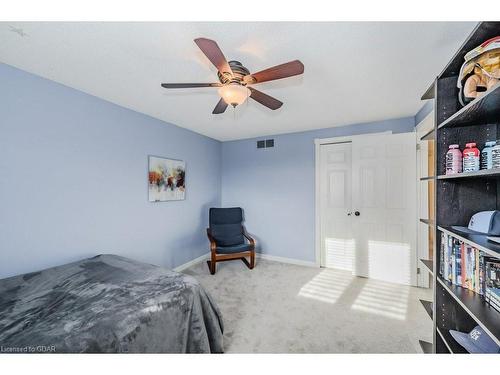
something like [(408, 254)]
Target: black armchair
[(227, 235)]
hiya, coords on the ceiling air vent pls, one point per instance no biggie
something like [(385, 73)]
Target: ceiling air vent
[(261, 144), (269, 143)]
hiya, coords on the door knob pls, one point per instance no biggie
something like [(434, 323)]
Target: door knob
[(357, 213)]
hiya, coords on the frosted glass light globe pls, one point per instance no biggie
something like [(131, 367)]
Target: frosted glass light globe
[(234, 94)]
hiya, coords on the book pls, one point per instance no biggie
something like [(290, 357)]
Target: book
[(463, 269), (442, 255), (481, 273), (458, 263), (453, 260), (445, 256), (476, 271), (492, 283), (469, 267)]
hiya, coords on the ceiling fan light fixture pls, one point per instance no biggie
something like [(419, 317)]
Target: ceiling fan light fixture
[(234, 79), (234, 94)]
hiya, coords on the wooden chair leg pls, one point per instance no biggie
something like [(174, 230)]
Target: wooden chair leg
[(250, 265), (211, 264)]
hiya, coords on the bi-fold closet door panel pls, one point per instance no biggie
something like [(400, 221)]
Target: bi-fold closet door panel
[(384, 194), (335, 202)]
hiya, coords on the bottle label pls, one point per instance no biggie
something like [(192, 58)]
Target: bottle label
[(454, 162), (471, 161), (495, 157), (486, 162)]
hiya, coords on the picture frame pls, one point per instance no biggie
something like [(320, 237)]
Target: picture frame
[(166, 179)]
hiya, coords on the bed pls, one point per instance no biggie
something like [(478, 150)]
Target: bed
[(107, 304)]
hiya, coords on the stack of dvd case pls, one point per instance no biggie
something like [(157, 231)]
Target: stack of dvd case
[(463, 265)]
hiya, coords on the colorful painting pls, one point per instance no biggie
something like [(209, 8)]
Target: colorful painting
[(166, 179)]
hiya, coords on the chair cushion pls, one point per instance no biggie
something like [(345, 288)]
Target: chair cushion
[(225, 226), (227, 234), (230, 215), (233, 249)]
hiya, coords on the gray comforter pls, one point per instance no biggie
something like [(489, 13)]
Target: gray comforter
[(107, 304)]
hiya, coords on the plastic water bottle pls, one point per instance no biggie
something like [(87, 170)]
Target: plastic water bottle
[(486, 155), (454, 160), (495, 155), (471, 158)]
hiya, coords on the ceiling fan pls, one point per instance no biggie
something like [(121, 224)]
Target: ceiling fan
[(235, 80)]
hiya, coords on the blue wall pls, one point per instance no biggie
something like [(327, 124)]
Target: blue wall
[(73, 180), (275, 186)]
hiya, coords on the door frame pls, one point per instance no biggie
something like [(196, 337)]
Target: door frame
[(317, 212)]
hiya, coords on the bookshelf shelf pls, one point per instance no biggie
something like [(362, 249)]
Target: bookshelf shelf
[(428, 222), (428, 265), (476, 240), (485, 173), (430, 135), (452, 346), (444, 340), (458, 197), (427, 306), (427, 178), (426, 346), (480, 110), (476, 307), (429, 94)]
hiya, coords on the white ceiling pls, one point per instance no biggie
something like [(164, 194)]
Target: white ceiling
[(354, 72)]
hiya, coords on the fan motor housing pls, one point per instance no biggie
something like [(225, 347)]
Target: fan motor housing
[(239, 71)]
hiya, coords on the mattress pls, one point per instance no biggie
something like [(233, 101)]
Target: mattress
[(107, 304)]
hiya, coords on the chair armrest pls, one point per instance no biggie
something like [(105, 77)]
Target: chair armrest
[(213, 244), (247, 236)]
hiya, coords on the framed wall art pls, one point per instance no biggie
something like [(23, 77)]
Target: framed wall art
[(166, 178)]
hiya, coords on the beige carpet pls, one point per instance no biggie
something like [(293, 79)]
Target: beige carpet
[(283, 308)]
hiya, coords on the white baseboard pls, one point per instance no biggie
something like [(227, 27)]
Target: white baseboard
[(184, 266), (273, 258), (287, 260)]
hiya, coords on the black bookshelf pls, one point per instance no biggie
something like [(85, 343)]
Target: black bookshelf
[(458, 197)]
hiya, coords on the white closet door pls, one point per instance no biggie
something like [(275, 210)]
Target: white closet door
[(337, 244), (384, 203)]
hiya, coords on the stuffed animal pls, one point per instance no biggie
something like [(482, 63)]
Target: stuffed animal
[(480, 71)]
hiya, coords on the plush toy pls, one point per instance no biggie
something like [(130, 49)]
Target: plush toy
[(480, 71)]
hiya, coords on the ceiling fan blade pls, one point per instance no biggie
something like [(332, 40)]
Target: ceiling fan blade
[(188, 85), (214, 54), (220, 107), (289, 69), (265, 99)]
